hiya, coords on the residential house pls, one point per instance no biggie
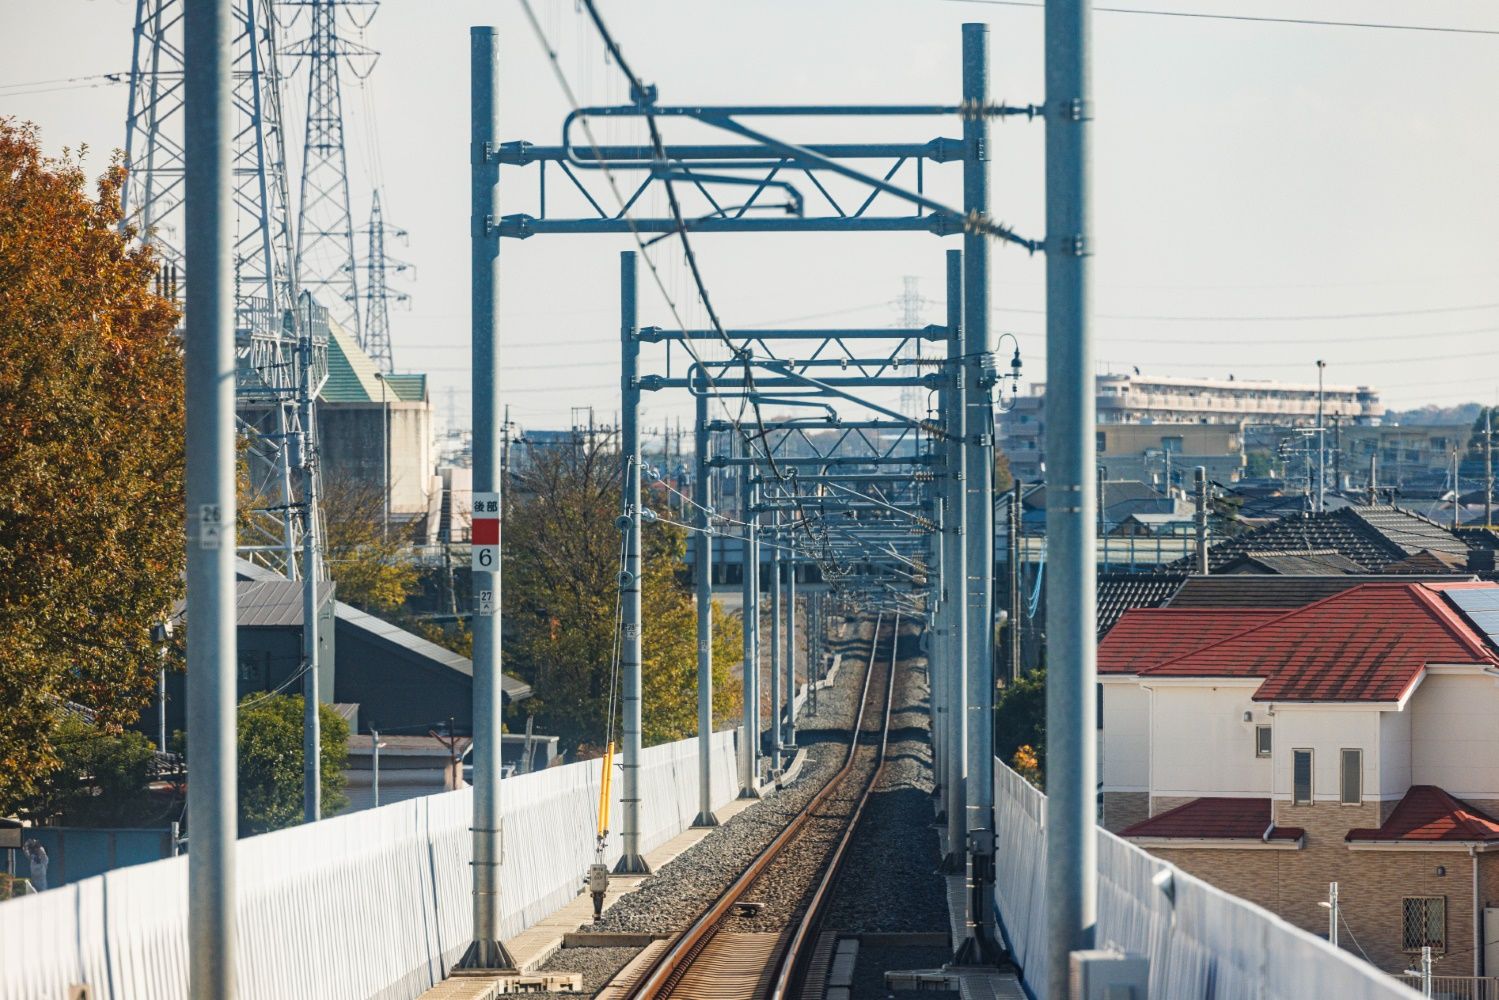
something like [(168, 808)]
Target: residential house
[(1275, 750)]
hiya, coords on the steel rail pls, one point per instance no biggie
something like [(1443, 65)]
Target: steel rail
[(667, 970), (793, 962)]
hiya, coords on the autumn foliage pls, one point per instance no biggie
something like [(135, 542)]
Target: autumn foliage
[(91, 424)]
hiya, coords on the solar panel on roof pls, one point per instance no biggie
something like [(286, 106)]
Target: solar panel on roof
[(1481, 607), (1485, 599)]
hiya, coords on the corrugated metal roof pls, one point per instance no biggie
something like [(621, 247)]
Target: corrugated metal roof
[(272, 603), (514, 688)]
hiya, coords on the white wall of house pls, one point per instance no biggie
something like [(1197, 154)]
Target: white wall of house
[(1454, 738), (1394, 755), (1125, 748), (1200, 744), (1326, 730)]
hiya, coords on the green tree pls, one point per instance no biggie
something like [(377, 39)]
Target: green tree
[(91, 459), (1020, 722), (372, 566), (270, 761), (103, 779), (562, 552)]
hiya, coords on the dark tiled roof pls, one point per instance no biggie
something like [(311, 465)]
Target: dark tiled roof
[(1428, 813), (1366, 644), (1119, 592), (1145, 638), (1371, 537), (1253, 591), (1313, 562), (1216, 819)]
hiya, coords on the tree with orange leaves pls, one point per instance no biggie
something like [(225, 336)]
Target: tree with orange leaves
[(91, 460)]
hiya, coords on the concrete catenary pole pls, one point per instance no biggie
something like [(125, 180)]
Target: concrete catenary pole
[(1200, 519), (210, 363), (631, 859), (1071, 765), (749, 752), (704, 572), (978, 385), (312, 730), (955, 575), (775, 640), (791, 563), (486, 951)]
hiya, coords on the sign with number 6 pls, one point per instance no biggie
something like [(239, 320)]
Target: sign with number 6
[(486, 532)]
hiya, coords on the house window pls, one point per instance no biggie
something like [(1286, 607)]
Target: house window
[(1424, 923), (1102, 444), (1262, 741), (1301, 777), (1351, 787)]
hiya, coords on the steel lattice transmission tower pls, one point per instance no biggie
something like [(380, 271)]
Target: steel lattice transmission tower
[(282, 343), (913, 398), (325, 259), (378, 295)]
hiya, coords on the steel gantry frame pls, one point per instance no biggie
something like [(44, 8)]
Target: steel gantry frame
[(864, 541)]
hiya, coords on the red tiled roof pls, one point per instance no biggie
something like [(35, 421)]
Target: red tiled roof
[(1428, 813), (1215, 819), (1365, 644), (1147, 637)]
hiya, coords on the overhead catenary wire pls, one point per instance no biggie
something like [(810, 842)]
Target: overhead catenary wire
[(1254, 18)]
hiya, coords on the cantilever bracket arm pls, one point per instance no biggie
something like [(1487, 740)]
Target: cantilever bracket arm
[(784, 369), (723, 118)]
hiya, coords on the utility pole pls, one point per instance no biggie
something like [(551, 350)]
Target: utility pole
[(1200, 519), (210, 365), (632, 858), (1321, 500), (312, 745), (1373, 479), (1332, 913), (775, 640), (1457, 490), (1488, 467), (486, 950), (791, 563), (749, 753), (1016, 520), (1071, 699), (704, 573)]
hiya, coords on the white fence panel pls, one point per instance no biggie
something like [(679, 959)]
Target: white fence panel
[(1203, 943), (375, 904)]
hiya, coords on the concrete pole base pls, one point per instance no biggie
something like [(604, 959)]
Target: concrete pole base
[(705, 819), (491, 956), (631, 864), (976, 949), (953, 863), (749, 793)]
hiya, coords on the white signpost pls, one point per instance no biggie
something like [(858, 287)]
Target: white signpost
[(485, 534)]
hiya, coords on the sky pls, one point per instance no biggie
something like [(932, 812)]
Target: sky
[(1267, 194)]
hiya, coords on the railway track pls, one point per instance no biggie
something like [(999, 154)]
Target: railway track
[(756, 940)]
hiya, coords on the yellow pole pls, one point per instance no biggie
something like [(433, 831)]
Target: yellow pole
[(608, 773)]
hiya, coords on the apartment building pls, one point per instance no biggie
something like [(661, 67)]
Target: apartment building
[(1273, 751), (1149, 399)]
